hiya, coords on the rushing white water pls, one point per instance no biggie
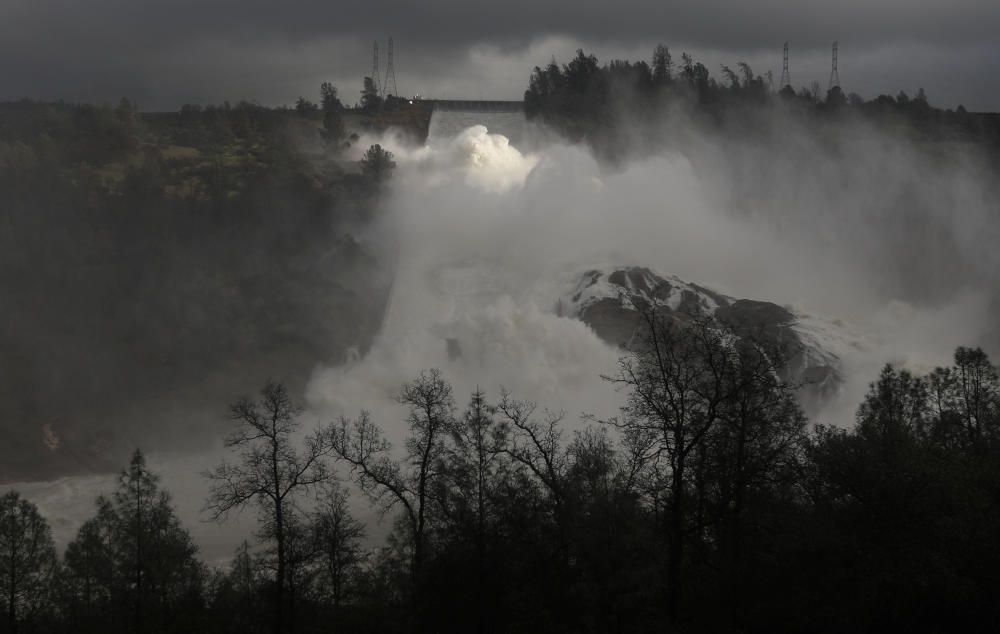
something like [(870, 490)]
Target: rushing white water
[(471, 295), (486, 235)]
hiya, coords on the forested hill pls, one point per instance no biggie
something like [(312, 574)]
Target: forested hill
[(148, 261), (620, 106)]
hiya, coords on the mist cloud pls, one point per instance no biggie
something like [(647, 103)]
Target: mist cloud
[(884, 246)]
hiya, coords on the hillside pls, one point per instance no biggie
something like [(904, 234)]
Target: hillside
[(187, 254)]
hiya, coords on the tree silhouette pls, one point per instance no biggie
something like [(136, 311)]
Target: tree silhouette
[(338, 542), (410, 482), (377, 163), (329, 102), (27, 558), (133, 564), (271, 473), (663, 65), (370, 99)]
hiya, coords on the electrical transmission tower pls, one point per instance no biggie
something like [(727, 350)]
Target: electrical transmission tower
[(834, 76), (375, 69), (786, 77), (390, 74)]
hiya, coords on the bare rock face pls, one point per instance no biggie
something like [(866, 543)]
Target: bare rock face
[(605, 300)]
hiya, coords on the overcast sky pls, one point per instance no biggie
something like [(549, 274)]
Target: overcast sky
[(163, 53)]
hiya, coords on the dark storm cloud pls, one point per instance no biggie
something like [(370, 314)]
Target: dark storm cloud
[(167, 52)]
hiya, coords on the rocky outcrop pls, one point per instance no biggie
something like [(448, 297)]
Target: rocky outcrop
[(606, 300)]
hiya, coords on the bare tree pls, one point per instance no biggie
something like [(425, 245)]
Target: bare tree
[(537, 446), (271, 473), (678, 379), (407, 482)]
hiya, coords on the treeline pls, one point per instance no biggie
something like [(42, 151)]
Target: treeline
[(707, 505), (601, 104)]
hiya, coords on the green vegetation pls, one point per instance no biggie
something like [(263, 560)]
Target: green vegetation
[(377, 163), (157, 252)]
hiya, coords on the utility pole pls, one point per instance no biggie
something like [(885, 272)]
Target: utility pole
[(834, 76), (390, 75), (375, 69), (786, 77)]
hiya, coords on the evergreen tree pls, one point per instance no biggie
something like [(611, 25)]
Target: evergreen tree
[(663, 65), (370, 98), (27, 560), (377, 163), (134, 564), (305, 107), (329, 102)]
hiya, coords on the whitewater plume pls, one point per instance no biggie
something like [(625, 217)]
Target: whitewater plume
[(488, 238)]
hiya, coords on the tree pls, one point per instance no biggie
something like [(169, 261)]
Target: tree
[(300, 556), (90, 567), (749, 459), (663, 65), (964, 402), (243, 572), (135, 496), (895, 408), (134, 558), (977, 387), (679, 382), (537, 446), (580, 72), (329, 102), (899, 507), (377, 163), (305, 107), (731, 77), (338, 538), (271, 474), (27, 557), (835, 98), (814, 91), (409, 482), (154, 549), (474, 464), (370, 98), (235, 598)]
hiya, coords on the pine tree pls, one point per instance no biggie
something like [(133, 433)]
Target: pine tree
[(27, 558)]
